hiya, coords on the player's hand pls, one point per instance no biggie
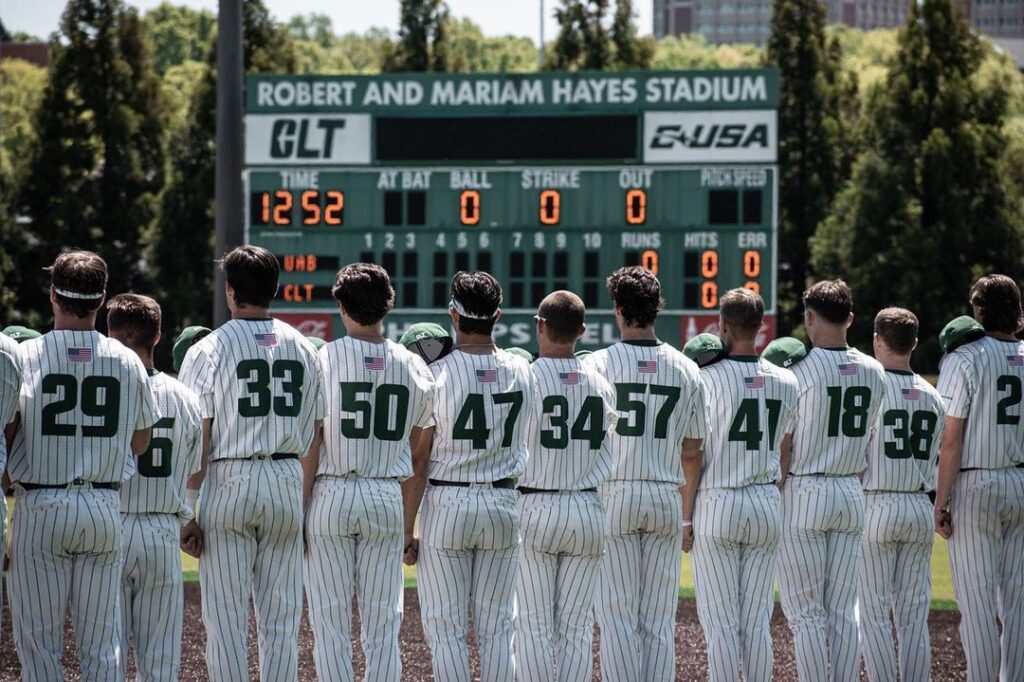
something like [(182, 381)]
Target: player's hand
[(687, 538), (412, 550), (192, 539), (943, 523)]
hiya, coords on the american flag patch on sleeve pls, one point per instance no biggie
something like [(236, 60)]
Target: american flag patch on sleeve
[(847, 369), (569, 378), (487, 376), (911, 394), (80, 354), (647, 366), (1015, 360), (755, 382), (268, 339), (374, 363)]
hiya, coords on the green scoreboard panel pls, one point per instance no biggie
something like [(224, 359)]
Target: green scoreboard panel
[(548, 181)]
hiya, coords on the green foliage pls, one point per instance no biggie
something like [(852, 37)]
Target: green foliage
[(470, 51), (94, 178), (179, 34), (422, 38), (930, 205), (180, 247), (693, 52), (631, 51), (810, 133), (583, 42)]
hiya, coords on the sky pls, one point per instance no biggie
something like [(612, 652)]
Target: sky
[(496, 17)]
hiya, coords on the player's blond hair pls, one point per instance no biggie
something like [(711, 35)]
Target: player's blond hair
[(743, 310)]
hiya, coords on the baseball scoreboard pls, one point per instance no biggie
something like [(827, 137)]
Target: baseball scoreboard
[(549, 181)]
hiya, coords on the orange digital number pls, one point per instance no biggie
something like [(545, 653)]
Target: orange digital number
[(299, 263), (334, 209), (282, 207), (753, 286), (649, 259), (469, 207), (709, 295), (550, 207), (709, 264), (310, 207), (265, 208), (752, 263), (636, 206)]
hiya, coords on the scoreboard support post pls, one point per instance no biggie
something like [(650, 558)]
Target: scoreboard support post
[(228, 211)]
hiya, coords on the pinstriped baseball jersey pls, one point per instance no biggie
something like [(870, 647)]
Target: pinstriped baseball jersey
[(479, 417), (981, 382), (259, 380), (660, 399), (376, 393), (905, 444), (841, 393), (571, 418), (174, 454), (10, 388), (82, 398), (753, 404)]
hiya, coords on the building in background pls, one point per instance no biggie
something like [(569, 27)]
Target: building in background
[(997, 18), (34, 52)]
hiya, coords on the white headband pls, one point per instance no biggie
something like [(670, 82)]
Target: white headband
[(457, 307), (81, 297)]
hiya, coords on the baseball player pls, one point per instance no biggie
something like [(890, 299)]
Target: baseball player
[(260, 398), (86, 408), (20, 334), (428, 340), (736, 520), (562, 519), (10, 389), (188, 337), (378, 396), (153, 507), (895, 568), (979, 501), (841, 392), (469, 527), (649, 498)]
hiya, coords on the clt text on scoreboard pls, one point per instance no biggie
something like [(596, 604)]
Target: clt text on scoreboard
[(546, 180)]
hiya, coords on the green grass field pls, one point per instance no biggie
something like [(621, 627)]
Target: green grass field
[(942, 584)]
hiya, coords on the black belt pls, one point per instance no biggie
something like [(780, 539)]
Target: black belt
[(1016, 466), (504, 484), (526, 490), (276, 457), (76, 482)]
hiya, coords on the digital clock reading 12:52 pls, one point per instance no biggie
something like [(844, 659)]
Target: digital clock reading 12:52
[(315, 207)]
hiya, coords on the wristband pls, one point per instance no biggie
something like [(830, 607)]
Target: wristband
[(191, 499), (687, 524)]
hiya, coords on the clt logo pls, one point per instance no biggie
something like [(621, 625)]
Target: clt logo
[(305, 138), (730, 136)]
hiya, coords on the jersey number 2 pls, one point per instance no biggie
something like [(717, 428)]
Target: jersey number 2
[(1011, 385)]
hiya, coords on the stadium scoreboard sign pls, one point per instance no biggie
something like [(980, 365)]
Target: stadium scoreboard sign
[(549, 181)]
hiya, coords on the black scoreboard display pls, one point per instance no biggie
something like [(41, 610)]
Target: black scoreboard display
[(548, 181)]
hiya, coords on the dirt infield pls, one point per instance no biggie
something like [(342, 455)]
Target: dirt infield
[(947, 654)]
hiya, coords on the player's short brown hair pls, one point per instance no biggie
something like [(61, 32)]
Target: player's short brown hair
[(830, 299), (364, 291), (479, 294), (996, 302), (897, 327), (134, 320), (253, 273), (743, 310), (637, 294), (79, 282), (563, 313)]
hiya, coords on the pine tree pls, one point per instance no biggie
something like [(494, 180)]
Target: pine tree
[(583, 41), (809, 134), (180, 248), (422, 38), (631, 51), (94, 179), (927, 210)]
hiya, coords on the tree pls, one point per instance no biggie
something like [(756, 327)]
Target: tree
[(99, 166), (179, 34), (927, 209), (583, 41), (180, 248), (631, 51), (809, 134), (422, 38)]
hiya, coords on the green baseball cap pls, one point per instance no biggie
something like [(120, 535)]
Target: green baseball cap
[(21, 334), (580, 354), (785, 351), (430, 341), (959, 331), (521, 353), (705, 349), (188, 337), (317, 342)]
